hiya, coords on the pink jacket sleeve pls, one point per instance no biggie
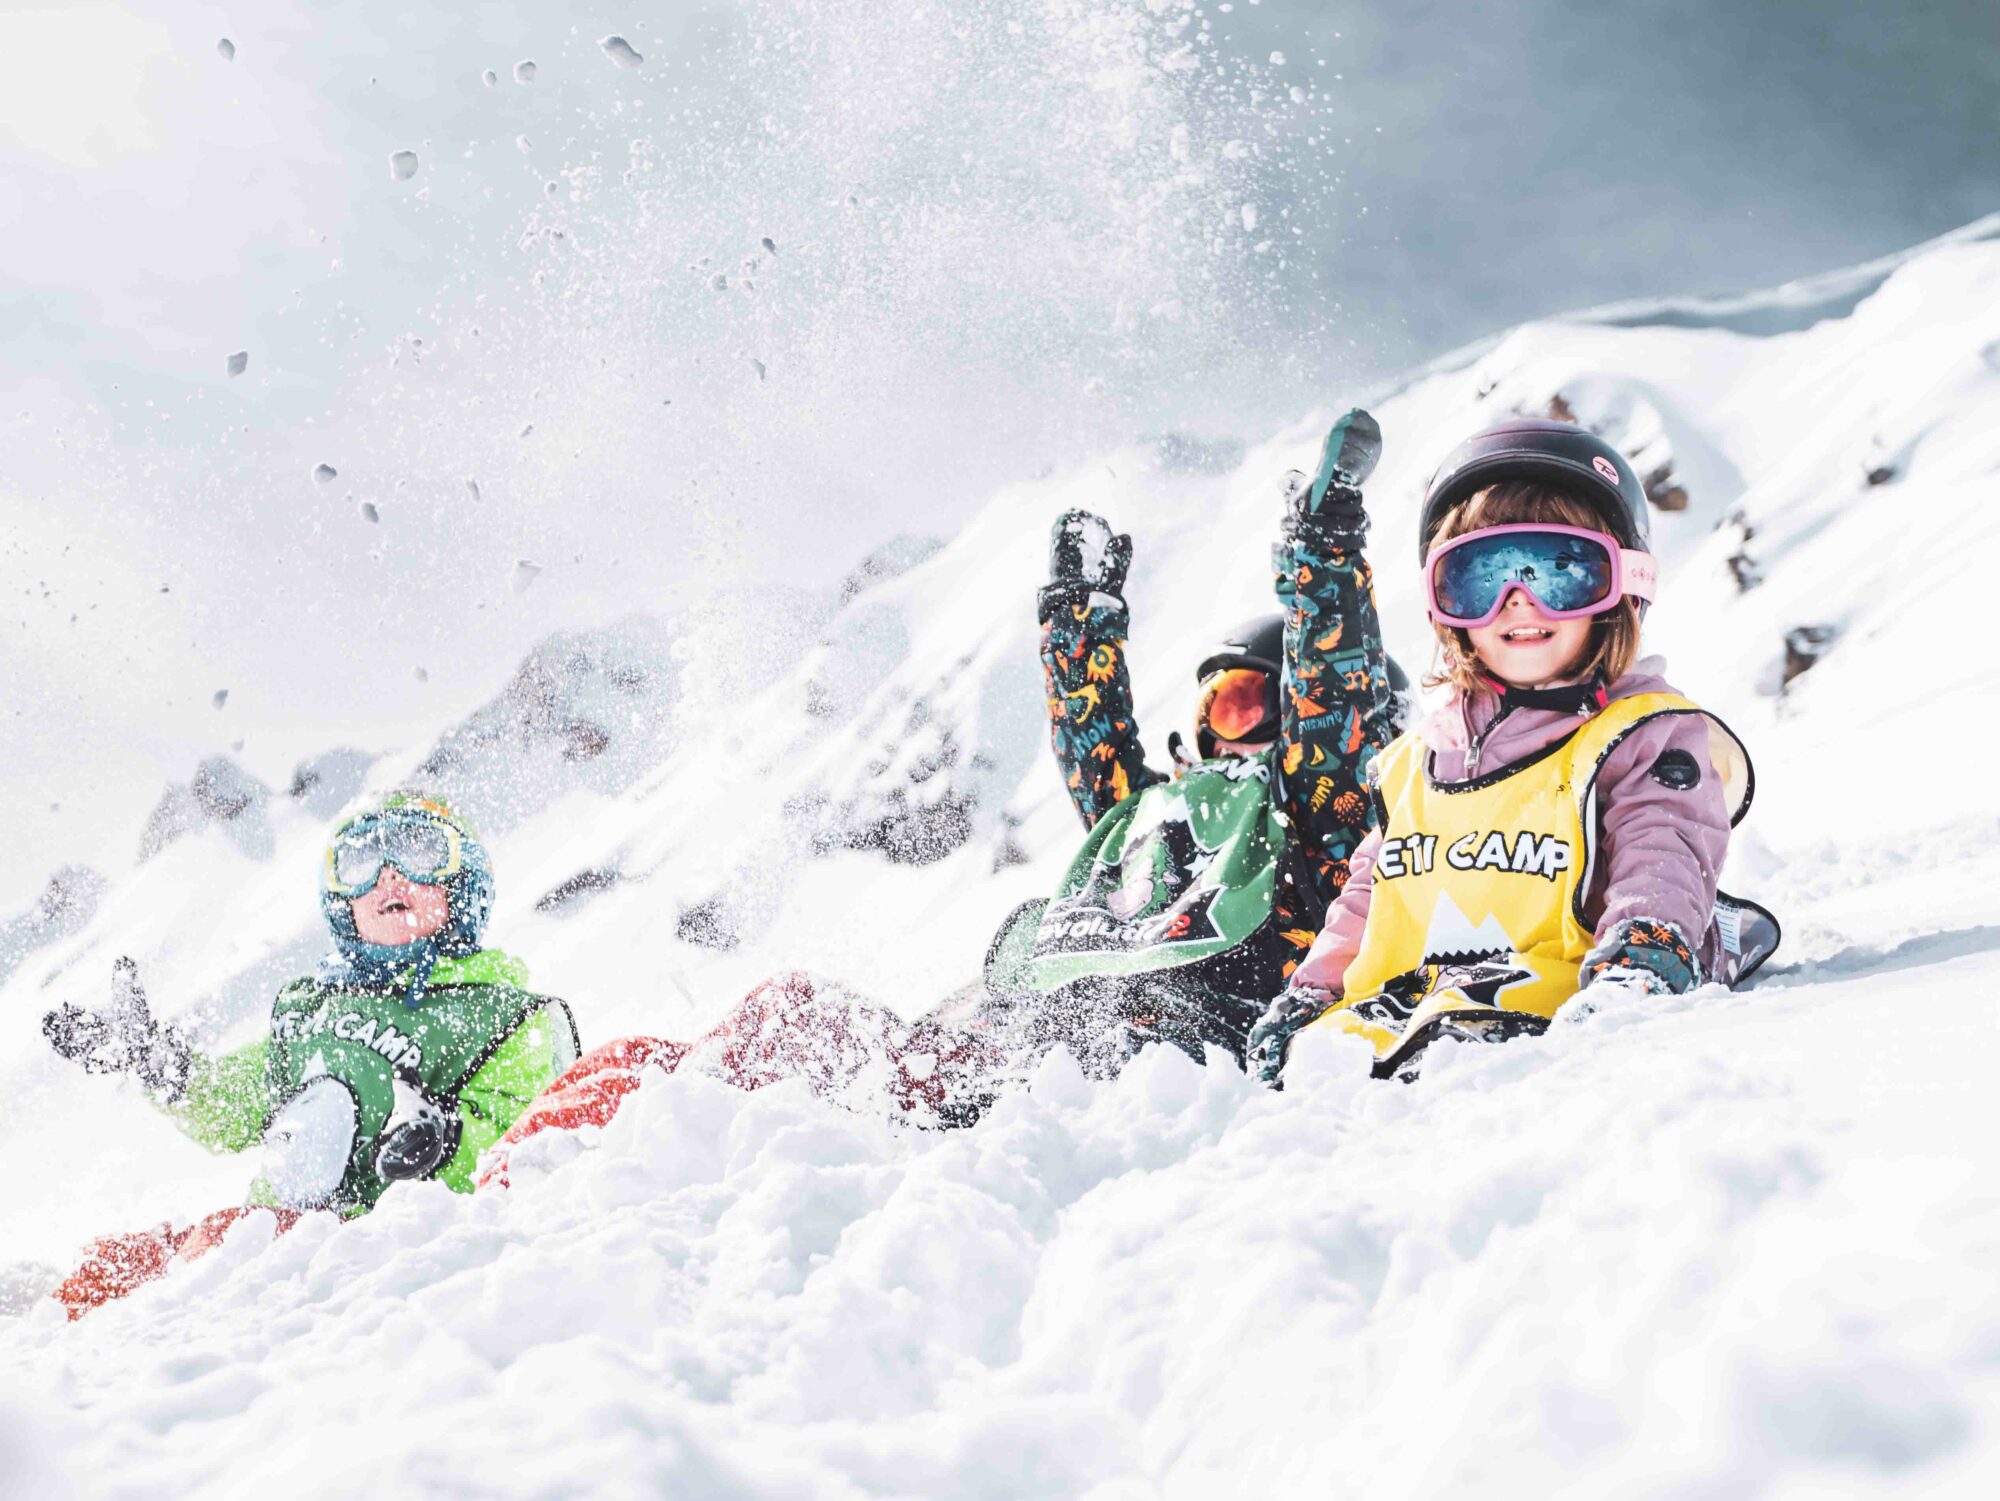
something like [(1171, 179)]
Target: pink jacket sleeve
[(1325, 964), (1663, 841)]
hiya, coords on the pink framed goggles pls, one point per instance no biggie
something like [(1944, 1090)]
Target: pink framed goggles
[(1568, 572)]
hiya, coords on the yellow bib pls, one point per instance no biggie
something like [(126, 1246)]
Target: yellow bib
[(1475, 917)]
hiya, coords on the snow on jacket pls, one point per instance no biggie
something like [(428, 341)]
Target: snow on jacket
[(480, 1044), (1662, 847)]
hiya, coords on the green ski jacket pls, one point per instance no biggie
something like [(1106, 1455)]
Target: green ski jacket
[(318, 1089)]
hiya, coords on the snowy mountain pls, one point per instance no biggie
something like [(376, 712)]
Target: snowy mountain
[(1721, 1244)]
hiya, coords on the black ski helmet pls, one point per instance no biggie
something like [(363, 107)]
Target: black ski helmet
[(1258, 642), (1535, 448)]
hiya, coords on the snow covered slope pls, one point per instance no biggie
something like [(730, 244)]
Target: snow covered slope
[(1713, 1245)]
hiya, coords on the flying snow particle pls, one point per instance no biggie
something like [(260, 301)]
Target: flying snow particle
[(620, 51), (221, 697), (423, 676), (226, 50), (719, 283), (402, 165), (1249, 218), (324, 473), (524, 71), (770, 245), (370, 512), (758, 366), (1296, 94), (1277, 59), (524, 143), (239, 362), (489, 78), (472, 488), (525, 573)]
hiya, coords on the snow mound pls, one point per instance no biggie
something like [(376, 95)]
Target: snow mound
[(1634, 1251)]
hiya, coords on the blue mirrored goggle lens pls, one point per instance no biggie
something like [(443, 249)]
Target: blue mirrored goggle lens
[(419, 851), (1563, 572)]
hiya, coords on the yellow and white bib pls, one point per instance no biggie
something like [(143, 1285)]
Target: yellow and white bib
[(1475, 917)]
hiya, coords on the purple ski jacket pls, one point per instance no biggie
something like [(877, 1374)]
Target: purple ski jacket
[(1661, 847)]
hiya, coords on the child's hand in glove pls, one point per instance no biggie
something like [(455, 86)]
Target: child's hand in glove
[(419, 1137), (1270, 1041), (1084, 550), (1086, 559), (122, 1038), (1636, 958), (1331, 500)]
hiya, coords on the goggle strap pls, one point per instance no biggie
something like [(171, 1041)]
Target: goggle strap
[(1639, 572)]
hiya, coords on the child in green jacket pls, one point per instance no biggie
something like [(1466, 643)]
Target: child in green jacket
[(409, 1053)]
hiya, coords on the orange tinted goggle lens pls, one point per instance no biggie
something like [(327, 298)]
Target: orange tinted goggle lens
[(1237, 702)]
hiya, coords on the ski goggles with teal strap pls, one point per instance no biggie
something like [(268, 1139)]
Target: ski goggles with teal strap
[(1568, 572), (427, 850)]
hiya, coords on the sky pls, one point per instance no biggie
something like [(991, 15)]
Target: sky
[(805, 275)]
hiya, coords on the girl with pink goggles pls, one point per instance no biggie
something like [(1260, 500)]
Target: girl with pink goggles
[(1567, 571)]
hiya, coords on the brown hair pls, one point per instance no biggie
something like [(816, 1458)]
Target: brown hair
[(1614, 637)]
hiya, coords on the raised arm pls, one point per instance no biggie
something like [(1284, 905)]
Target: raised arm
[(1336, 702), (228, 1099), (1084, 622)]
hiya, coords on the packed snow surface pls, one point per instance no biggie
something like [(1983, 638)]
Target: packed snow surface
[(1710, 1245)]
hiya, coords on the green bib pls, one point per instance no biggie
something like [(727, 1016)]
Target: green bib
[(1181, 872), (336, 1054)]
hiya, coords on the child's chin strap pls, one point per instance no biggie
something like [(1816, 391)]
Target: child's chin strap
[(1582, 699)]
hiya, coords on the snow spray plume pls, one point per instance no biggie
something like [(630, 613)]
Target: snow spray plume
[(777, 294), (657, 338)]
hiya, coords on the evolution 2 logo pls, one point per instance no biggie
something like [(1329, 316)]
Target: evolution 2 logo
[(1143, 896)]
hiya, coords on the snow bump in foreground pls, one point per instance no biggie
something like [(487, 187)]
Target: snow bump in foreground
[(1634, 1250)]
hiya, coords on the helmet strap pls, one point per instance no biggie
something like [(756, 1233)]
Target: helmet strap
[(1586, 697)]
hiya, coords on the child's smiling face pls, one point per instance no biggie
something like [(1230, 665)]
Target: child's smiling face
[(1524, 648), (396, 910)]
